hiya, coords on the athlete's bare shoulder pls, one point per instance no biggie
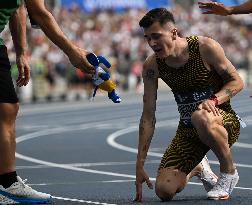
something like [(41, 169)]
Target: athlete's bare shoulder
[(208, 45), (150, 61), (210, 50), (150, 64)]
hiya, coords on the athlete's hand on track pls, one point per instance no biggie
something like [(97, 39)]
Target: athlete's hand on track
[(23, 70), (209, 106), (141, 177)]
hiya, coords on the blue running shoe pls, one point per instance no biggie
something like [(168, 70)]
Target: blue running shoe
[(5, 200), (20, 192)]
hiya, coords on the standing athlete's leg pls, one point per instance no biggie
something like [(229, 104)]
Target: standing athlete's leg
[(12, 188), (8, 113)]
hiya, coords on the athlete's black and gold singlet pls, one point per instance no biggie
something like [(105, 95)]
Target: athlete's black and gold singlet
[(191, 85)]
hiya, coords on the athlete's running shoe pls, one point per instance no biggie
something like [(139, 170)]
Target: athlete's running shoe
[(20, 192), (207, 177), (5, 200), (224, 187)]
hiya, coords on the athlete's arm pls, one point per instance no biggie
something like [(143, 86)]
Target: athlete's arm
[(244, 8), (213, 54), (147, 122), (221, 9), (50, 27), (17, 25)]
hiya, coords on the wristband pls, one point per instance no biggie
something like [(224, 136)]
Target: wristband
[(214, 98)]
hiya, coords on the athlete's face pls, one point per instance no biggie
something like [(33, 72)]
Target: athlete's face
[(161, 38)]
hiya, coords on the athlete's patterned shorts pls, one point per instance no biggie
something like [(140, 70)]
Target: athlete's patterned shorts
[(186, 149)]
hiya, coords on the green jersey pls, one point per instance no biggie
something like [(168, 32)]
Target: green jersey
[(7, 8)]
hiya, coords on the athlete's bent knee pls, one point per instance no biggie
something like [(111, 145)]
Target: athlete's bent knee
[(169, 182), (164, 190)]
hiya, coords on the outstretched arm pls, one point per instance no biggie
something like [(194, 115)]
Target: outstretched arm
[(213, 54), (17, 26), (147, 123), (50, 27), (221, 9)]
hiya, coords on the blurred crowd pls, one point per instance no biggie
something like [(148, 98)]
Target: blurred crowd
[(118, 37)]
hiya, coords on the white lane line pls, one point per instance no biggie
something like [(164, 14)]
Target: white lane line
[(80, 201), (243, 145), (86, 182), (89, 164), (236, 164)]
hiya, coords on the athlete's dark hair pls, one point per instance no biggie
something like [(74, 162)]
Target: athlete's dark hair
[(161, 15)]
